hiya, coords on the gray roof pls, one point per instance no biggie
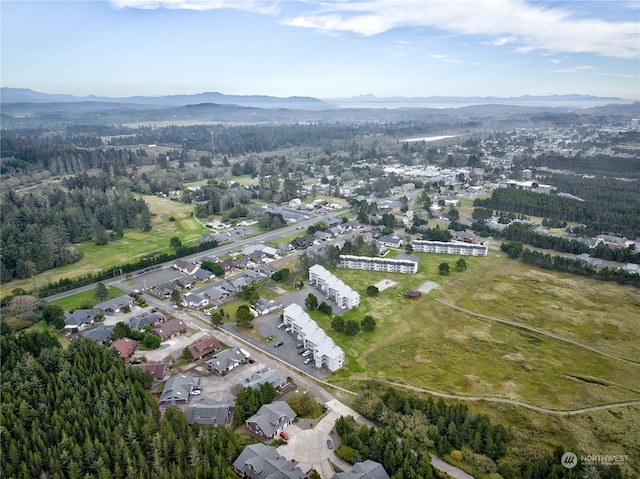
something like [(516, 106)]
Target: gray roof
[(364, 470), (259, 461), (138, 322), (216, 293), (100, 333), (177, 389), (213, 413), (115, 303), (78, 317), (271, 416), (226, 360), (272, 376)]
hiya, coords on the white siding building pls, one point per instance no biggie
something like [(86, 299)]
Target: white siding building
[(325, 352), (378, 264), (343, 295), (450, 247)]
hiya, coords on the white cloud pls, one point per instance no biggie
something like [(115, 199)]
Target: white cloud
[(259, 6), (581, 68), (503, 41), (536, 26), (555, 61)]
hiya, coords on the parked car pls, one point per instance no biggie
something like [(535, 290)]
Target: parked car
[(284, 435), (306, 353), (308, 360), (329, 444), (281, 325), (301, 351), (300, 346), (278, 344), (288, 330)]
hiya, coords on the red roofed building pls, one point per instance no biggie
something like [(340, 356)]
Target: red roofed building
[(125, 346), (157, 368), (202, 347)]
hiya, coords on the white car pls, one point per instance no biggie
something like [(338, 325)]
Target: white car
[(306, 353), (308, 360)]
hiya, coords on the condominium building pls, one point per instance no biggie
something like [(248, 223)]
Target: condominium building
[(325, 352), (378, 264), (450, 247), (335, 289)]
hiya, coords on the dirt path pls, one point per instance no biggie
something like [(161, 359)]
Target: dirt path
[(538, 331)]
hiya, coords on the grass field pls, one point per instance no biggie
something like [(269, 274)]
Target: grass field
[(430, 345), (133, 245), (85, 299)]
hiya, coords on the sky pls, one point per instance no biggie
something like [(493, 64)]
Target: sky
[(322, 49)]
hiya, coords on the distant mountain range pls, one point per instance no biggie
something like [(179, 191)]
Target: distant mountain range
[(24, 95)]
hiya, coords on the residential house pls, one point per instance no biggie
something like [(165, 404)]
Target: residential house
[(270, 420), (115, 305), (200, 348), (264, 306), (266, 270), (125, 347), (79, 319), (226, 266), (194, 300), (186, 267), (252, 276), (100, 334), (242, 262), (170, 329), (216, 294), (138, 322), (203, 275), (466, 237), (363, 470), (302, 242), (259, 461), (228, 287), (322, 236), (275, 378), (227, 360), (157, 369), (391, 241), (285, 248), (178, 389), (214, 413)]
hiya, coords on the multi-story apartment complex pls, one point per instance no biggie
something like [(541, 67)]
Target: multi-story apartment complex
[(335, 289), (450, 247), (378, 264), (325, 352)]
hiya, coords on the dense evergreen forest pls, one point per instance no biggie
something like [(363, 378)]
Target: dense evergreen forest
[(604, 217), (82, 412), (38, 228)]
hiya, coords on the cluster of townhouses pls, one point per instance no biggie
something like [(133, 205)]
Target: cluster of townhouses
[(450, 247), (369, 263), (325, 352), (333, 288)]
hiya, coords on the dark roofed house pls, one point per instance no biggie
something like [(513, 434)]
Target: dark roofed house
[(259, 461), (186, 267), (194, 300), (157, 369), (137, 323), (125, 346), (275, 378), (100, 334), (212, 414), (79, 319), (200, 348), (177, 389), (270, 419), (363, 470), (227, 360), (203, 275), (216, 294), (390, 241), (115, 305), (170, 329)]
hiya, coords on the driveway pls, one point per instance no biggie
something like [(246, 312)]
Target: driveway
[(308, 447)]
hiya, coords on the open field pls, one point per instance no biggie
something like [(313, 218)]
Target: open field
[(430, 345), (85, 299), (133, 245)]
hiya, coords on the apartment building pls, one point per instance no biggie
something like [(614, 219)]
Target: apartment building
[(450, 247), (335, 289), (378, 264)]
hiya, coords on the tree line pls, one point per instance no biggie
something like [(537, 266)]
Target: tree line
[(82, 412)]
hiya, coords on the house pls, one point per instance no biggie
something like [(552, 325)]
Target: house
[(390, 241), (100, 334), (186, 267), (200, 348), (302, 242), (170, 329), (177, 389), (216, 294), (115, 305), (239, 283), (259, 461), (125, 347), (285, 248), (227, 360), (363, 470), (226, 266), (252, 276), (322, 236), (194, 300), (275, 378), (466, 237), (203, 275), (79, 319), (228, 287), (267, 270), (138, 322), (264, 306), (242, 262), (157, 369), (211, 414), (270, 419)]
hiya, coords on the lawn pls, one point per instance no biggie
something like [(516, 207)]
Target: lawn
[(85, 299), (430, 345)]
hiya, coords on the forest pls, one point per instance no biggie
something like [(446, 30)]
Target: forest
[(604, 217), (82, 412)]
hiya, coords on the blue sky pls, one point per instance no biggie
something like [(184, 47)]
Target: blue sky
[(324, 49)]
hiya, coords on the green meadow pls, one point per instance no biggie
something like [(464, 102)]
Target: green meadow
[(85, 299)]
